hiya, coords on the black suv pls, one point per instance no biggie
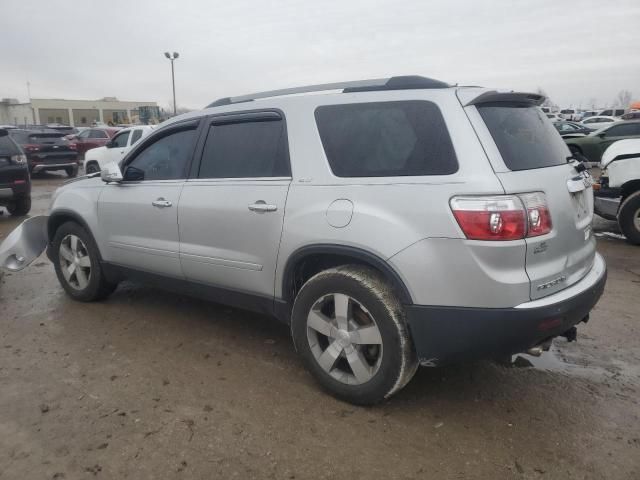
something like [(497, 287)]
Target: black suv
[(15, 183), (47, 149)]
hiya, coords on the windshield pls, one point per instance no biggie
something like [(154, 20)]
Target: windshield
[(525, 138)]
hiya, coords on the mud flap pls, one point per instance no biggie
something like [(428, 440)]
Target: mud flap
[(24, 244)]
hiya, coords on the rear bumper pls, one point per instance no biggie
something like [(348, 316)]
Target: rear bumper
[(14, 182), (53, 166), (450, 334)]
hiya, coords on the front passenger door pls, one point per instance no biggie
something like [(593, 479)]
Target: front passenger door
[(139, 216)]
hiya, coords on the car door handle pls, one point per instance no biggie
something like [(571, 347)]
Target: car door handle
[(261, 207), (162, 203)]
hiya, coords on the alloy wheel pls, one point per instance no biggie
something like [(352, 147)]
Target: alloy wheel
[(75, 262), (344, 339)]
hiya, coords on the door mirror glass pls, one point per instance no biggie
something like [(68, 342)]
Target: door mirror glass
[(111, 173)]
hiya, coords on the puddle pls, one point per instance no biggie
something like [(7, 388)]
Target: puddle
[(557, 362)]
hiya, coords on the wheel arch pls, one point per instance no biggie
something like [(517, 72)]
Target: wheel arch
[(309, 260), (629, 187)]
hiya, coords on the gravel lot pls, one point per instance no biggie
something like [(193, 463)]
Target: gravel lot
[(151, 385)]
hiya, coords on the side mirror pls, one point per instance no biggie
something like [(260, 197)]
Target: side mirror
[(109, 144), (111, 173), (602, 135)]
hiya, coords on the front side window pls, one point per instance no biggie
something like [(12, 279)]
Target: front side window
[(165, 159), (386, 139), (245, 150), (120, 141), (607, 112)]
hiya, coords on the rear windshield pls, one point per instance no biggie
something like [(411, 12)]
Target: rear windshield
[(8, 147), (525, 138), (386, 139)]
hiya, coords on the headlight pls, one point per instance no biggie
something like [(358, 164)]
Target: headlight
[(19, 158)]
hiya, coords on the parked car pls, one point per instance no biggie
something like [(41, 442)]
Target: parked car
[(597, 122), (587, 114), (571, 129), (92, 138), (591, 147), (570, 114), (47, 150), (612, 112), (115, 149), (617, 195), (392, 223), (15, 183), (635, 115), (554, 117)]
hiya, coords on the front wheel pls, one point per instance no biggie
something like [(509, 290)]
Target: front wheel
[(20, 206), (629, 218), (349, 328), (77, 263)]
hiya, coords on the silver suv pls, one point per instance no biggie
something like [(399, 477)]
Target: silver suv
[(392, 223)]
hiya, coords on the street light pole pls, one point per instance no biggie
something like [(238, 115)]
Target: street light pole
[(173, 57)]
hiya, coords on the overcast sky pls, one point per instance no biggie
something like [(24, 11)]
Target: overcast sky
[(575, 51)]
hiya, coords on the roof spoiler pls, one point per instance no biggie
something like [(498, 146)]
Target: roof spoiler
[(494, 96)]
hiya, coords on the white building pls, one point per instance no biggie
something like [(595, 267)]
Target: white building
[(77, 113)]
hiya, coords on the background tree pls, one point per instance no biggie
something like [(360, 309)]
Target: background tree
[(623, 99)]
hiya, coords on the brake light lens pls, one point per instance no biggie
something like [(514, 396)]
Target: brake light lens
[(502, 217), (31, 148), (72, 146), (537, 214)]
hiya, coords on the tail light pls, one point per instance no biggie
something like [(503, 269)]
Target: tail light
[(31, 148), (538, 214), (72, 146), (502, 217)]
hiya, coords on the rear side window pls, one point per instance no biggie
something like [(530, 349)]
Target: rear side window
[(136, 136), (98, 134), (245, 150), (524, 137), (386, 139)]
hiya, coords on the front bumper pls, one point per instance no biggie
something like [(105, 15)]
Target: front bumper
[(444, 335), (606, 202)]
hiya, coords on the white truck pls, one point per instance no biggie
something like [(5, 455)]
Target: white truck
[(96, 158), (617, 196)]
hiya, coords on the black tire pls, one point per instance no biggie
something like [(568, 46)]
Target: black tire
[(398, 362), (20, 206), (92, 167), (629, 218), (98, 287), (71, 171), (577, 154)]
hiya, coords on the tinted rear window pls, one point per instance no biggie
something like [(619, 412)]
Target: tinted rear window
[(8, 147), (525, 138), (386, 139)]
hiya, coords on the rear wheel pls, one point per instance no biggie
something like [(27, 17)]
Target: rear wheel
[(92, 167), (629, 218), (77, 264), (349, 328), (20, 206), (71, 171)]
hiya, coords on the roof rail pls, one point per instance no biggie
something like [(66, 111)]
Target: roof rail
[(378, 84)]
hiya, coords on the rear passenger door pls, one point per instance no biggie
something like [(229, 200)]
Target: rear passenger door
[(232, 208)]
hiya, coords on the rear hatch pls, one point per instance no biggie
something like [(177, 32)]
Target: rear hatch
[(528, 155), (51, 146)]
